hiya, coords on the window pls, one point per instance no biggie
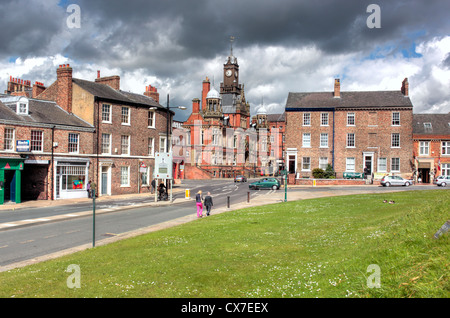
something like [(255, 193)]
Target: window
[(324, 119), (424, 148), (9, 139), (162, 143), (106, 113), (351, 140), (144, 177), (23, 109), (395, 142), (323, 163), (395, 165), (124, 176), (72, 176), (151, 146), (306, 119), (382, 165), (446, 147), (106, 143), (151, 119), (306, 164), (446, 169), (395, 119), (37, 140), (427, 127), (324, 140), (306, 140), (125, 115), (73, 143), (125, 144), (350, 119), (350, 165)]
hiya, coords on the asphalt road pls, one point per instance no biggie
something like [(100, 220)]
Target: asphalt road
[(32, 241)]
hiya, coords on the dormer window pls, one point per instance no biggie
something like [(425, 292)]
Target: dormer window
[(23, 108), (18, 104), (427, 126)]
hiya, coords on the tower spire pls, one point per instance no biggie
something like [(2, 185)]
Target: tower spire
[(231, 45)]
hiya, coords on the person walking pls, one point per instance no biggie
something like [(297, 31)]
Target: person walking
[(198, 200), (208, 203), (88, 188), (153, 185)]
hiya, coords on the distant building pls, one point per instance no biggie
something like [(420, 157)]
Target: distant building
[(431, 137), (354, 132)]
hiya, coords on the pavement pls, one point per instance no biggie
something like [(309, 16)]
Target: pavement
[(263, 199)]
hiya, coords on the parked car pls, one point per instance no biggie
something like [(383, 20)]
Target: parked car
[(240, 178), (388, 181), (269, 183), (442, 181)]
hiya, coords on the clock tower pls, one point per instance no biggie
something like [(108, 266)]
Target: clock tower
[(231, 75)]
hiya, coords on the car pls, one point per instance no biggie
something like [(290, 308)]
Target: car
[(388, 181), (442, 181), (269, 183), (240, 178)]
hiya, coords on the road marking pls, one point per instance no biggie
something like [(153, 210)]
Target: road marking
[(74, 231), (29, 241), (3, 246), (46, 237), (9, 224)]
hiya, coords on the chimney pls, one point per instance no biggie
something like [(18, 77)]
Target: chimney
[(64, 87), (111, 81), (337, 88), (152, 92), (195, 106), (405, 87), (38, 88), (205, 91)]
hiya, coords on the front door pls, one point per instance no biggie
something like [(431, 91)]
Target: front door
[(105, 180)]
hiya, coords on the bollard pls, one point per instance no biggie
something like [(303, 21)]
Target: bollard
[(248, 196), (187, 194), (228, 202)]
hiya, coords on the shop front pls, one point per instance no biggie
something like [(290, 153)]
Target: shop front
[(71, 178), (11, 180)]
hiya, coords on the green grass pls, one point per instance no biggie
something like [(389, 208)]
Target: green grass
[(310, 248)]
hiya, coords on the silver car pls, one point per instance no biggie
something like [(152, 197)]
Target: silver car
[(442, 181), (388, 181)]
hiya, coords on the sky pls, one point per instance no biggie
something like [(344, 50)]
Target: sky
[(281, 46)]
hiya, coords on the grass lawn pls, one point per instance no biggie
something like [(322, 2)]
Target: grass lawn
[(312, 248)]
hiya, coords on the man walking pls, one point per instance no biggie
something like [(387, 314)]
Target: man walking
[(208, 203)]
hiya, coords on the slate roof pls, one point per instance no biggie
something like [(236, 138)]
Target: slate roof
[(106, 92), (276, 117), (347, 100), (42, 112), (440, 124)]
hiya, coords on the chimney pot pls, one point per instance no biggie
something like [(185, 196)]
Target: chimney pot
[(337, 88), (98, 74)]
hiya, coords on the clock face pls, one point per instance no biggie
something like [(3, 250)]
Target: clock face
[(228, 73)]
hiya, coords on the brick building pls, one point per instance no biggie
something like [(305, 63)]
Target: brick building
[(129, 128), (431, 137), (44, 150), (350, 131)]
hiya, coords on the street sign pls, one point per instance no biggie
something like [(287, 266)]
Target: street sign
[(163, 165), (22, 145)]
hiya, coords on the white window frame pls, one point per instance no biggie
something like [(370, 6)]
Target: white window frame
[(306, 119), (445, 169), (324, 119), (395, 140), (382, 162), (162, 143), (424, 148), (103, 144), (323, 140), (106, 112), (125, 118), (351, 116), (395, 121), (126, 145), (153, 114), (306, 140), (10, 137), (125, 176), (323, 163), (145, 183), (308, 164), (33, 141), (392, 164), (445, 148), (350, 164), (71, 143), (349, 140), (151, 146)]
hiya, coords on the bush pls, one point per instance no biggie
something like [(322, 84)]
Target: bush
[(318, 173), (329, 173)]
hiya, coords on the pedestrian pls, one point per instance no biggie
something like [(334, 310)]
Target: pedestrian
[(88, 188), (198, 200), (153, 185), (208, 203), (162, 191), (93, 189)]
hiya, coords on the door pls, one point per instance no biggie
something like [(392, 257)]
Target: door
[(10, 185), (105, 180), (368, 164)]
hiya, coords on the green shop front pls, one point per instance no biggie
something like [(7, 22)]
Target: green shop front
[(11, 180)]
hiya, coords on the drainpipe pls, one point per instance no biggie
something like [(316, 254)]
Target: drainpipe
[(332, 151)]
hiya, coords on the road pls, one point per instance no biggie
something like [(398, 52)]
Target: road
[(25, 243)]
